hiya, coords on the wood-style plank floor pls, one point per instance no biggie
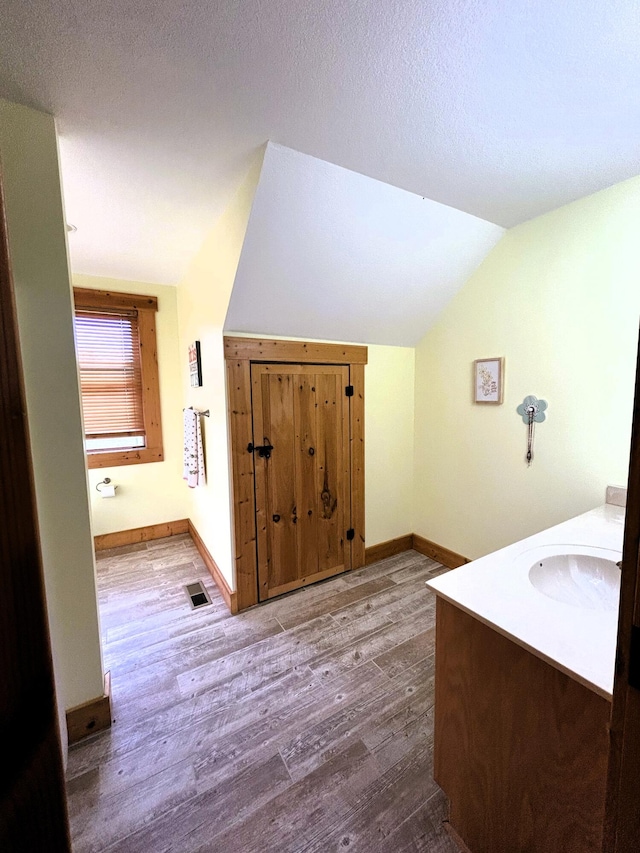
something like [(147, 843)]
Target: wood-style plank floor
[(304, 724)]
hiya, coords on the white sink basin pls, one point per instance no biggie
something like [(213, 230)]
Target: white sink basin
[(582, 580)]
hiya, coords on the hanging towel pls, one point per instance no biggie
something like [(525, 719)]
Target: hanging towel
[(193, 471)]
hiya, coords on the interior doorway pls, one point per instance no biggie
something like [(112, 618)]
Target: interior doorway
[(296, 417)]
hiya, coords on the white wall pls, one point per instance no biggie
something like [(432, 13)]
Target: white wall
[(153, 492), (36, 231)]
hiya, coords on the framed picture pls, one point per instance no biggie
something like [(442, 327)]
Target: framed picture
[(488, 380), (195, 365)]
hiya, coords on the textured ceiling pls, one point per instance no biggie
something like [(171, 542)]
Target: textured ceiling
[(500, 108), (331, 254)]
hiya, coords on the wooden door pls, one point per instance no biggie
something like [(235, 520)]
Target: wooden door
[(622, 821), (303, 485)]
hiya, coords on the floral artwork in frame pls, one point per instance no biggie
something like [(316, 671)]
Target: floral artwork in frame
[(488, 380), (195, 365)]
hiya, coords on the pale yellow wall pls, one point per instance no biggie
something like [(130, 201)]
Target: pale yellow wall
[(153, 492), (203, 298), (36, 230), (559, 298), (389, 413)]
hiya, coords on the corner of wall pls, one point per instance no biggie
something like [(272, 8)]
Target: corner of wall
[(203, 299), (37, 245)]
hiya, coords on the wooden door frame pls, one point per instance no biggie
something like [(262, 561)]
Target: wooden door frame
[(622, 820), (33, 812), (239, 354)]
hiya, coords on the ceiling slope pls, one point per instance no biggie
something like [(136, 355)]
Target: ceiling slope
[(331, 254)]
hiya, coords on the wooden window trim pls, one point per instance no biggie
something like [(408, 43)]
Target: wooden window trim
[(99, 299), (146, 307), (239, 354)]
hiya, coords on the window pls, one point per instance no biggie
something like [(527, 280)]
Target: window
[(117, 360)]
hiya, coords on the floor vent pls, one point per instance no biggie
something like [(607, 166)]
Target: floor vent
[(197, 594)]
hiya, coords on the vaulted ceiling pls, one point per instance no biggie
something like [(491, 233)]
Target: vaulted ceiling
[(331, 254), (499, 108)]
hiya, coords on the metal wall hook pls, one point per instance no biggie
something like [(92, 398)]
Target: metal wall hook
[(532, 411)]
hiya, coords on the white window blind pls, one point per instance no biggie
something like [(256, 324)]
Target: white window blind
[(108, 348)]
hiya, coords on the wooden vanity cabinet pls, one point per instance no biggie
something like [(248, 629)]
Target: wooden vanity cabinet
[(520, 748)]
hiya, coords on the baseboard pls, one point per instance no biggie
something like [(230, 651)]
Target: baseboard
[(441, 555), (387, 549), (230, 597), (140, 534), (423, 546), (90, 717), (184, 525)]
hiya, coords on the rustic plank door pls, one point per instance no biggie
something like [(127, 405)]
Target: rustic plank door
[(303, 485)]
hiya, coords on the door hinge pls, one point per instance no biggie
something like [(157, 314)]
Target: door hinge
[(634, 658), (349, 390), (351, 533)]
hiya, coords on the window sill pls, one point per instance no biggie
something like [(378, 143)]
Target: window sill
[(125, 457)]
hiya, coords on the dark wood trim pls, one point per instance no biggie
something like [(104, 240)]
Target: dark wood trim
[(259, 349), (622, 818), (33, 811), (140, 534), (390, 548), (239, 354), (438, 553), (90, 717), (86, 297), (230, 597)]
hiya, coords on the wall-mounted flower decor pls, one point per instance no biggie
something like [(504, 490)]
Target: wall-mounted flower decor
[(533, 412), (531, 406)]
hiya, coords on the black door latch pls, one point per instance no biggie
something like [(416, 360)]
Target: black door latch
[(263, 450)]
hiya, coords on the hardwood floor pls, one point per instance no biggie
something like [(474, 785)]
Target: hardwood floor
[(305, 724)]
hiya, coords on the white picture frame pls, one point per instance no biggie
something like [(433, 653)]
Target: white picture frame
[(488, 380)]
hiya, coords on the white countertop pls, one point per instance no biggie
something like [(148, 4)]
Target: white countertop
[(497, 591)]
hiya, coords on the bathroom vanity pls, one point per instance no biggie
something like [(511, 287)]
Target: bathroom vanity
[(525, 648)]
